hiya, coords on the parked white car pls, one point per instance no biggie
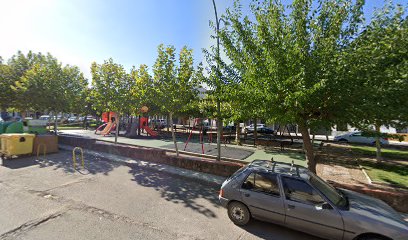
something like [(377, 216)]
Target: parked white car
[(356, 137), (45, 117)]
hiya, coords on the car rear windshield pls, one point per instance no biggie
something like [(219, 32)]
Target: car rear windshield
[(239, 171)]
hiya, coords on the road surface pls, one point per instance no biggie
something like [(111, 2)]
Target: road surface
[(46, 199)]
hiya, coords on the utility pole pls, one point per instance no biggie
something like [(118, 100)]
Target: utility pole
[(219, 120)]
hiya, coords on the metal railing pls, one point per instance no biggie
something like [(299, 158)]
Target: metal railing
[(39, 148), (74, 156)]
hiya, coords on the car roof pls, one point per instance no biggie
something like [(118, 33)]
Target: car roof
[(281, 168)]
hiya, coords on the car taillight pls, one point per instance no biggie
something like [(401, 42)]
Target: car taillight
[(221, 193)]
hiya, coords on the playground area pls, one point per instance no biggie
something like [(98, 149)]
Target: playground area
[(246, 153)]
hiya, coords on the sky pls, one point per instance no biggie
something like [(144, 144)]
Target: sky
[(79, 32)]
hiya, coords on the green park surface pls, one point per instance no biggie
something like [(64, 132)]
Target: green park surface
[(385, 152), (393, 174)]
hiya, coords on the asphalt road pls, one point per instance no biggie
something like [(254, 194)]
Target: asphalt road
[(47, 199)]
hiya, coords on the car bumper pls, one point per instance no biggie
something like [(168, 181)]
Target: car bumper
[(223, 201)]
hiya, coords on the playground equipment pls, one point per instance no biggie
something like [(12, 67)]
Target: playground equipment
[(105, 129), (111, 121), (199, 124), (144, 124)]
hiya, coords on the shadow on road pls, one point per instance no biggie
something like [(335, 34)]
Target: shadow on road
[(63, 160), (179, 190), (271, 231)]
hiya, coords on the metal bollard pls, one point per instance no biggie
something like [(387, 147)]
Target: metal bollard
[(74, 156), (39, 148)]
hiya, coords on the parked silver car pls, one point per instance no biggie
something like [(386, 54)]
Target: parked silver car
[(357, 137), (294, 197)]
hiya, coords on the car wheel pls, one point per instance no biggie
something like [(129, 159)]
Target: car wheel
[(372, 237), (239, 213)]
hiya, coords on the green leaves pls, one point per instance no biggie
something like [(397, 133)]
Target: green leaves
[(175, 85), (380, 59), (111, 87), (39, 82)]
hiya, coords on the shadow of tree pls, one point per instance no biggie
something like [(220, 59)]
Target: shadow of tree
[(178, 190), (290, 154), (63, 160)]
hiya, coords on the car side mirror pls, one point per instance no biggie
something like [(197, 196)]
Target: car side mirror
[(326, 206), (322, 206)]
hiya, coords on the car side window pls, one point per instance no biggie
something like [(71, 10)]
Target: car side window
[(299, 191), (262, 182)]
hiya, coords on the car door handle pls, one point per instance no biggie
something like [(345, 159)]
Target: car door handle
[(247, 194), (291, 206)]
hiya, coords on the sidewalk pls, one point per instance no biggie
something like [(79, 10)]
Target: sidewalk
[(200, 177)]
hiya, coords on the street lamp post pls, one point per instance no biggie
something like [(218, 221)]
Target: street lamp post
[(219, 120)]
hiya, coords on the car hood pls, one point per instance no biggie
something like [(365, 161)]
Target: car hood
[(367, 207)]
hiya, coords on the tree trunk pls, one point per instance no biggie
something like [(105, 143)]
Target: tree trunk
[(138, 126), (168, 122), (173, 133), (255, 131), (311, 164), (378, 143), (55, 124), (290, 135), (117, 127), (245, 132), (219, 130), (313, 138), (237, 134)]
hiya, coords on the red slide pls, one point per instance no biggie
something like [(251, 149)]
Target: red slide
[(150, 131)]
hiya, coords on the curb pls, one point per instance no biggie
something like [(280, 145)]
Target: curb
[(203, 178), (365, 174)]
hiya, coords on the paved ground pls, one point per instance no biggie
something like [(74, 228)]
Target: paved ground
[(47, 199), (229, 152), (249, 153)]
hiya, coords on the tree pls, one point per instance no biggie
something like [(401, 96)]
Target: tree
[(6, 92), (379, 58), (111, 88), (292, 59), (173, 84), (76, 90), (49, 86), (19, 65)]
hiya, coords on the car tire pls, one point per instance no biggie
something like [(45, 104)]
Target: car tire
[(239, 213), (372, 237)]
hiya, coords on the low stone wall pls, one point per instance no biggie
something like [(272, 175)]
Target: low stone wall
[(396, 198), (220, 168)]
